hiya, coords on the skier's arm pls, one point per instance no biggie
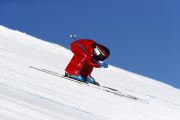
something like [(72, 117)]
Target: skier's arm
[(90, 61)]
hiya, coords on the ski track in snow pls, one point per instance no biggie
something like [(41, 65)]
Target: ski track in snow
[(45, 98), (35, 108), (29, 94), (129, 90), (123, 88)]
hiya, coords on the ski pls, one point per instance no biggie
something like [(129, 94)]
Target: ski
[(107, 89)]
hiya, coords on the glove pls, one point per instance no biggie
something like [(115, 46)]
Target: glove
[(103, 65)]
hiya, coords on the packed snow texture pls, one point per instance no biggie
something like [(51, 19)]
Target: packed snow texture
[(28, 94)]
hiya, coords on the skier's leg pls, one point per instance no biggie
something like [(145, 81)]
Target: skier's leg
[(86, 71), (87, 74), (77, 62)]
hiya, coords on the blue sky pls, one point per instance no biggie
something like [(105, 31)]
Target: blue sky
[(142, 35)]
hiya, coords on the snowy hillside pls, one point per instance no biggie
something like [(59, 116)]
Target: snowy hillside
[(28, 94)]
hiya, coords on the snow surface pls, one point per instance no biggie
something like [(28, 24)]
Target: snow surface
[(28, 94)]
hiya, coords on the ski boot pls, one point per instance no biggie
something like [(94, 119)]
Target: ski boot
[(91, 80), (80, 78)]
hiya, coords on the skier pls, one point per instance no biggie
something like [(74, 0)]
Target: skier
[(87, 54)]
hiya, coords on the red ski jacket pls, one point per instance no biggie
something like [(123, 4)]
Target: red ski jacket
[(87, 44)]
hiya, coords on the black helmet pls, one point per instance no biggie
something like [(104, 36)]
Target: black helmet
[(100, 52)]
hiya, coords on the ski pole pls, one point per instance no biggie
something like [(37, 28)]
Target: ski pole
[(74, 37)]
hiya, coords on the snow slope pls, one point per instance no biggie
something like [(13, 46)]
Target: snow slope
[(28, 94)]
